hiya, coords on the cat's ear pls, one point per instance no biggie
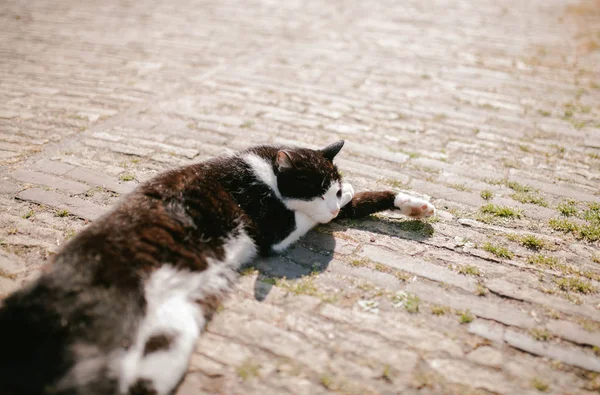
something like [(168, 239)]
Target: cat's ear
[(284, 160), (332, 150)]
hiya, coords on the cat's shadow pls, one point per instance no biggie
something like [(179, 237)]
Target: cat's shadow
[(313, 253)]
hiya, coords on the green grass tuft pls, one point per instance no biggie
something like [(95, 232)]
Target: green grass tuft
[(539, 385), (501, 211), (415, 226), (498, 250), (362, 262), (515, 186), (383, 268), (532, 242), (540, 334), (543, 261), (409, 301), (328, 382), (481, 290), (395, 183), (247, 370), (589, 231), (564, 225), (61, 213), (469, 270), (574, 284), (486, 194), (412, 304), (460, 187), (28, 214), (439, 310), (466, 317), (529, 198), (568, 208), (126, 177), (5, 274)]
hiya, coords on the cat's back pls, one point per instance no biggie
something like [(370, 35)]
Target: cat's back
[(93, 301)]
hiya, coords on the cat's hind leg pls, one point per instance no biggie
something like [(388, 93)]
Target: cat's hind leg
[(366, 203), (158, 358)]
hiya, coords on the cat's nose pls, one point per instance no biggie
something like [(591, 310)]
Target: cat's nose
[(335, 212)]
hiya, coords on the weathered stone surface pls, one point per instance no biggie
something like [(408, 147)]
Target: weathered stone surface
[(418, 267), (49, 180), (570, 356), (480, 307), (498, 104), (478, 377), (488, 356), (76, 206), (394, 329), (98, 179), (574, 332), (52, 167), (505, 288)]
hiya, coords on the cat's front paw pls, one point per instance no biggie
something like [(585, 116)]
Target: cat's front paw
[(347, 194), (413, 207)]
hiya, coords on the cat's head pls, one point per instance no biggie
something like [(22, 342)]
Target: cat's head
[(309, 182)]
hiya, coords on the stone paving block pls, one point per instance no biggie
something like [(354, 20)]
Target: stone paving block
[(50, 181), (10, 267), (473, 376), (394, 329), (120, 148), (75, 206), (418, 267), (168, 148), (52, 167), (570, 356), (488, 356), (269, 337), (8, 187), (573, 332), (480, 307), (8, 154), (505, 288), (99, 179)]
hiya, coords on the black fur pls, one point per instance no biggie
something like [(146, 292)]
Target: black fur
[(366, 203), (92, 300), (94, 293)]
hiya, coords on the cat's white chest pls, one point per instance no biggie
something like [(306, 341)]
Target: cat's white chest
[(303, 224)]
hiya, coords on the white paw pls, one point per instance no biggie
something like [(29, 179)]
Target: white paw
[(347, 194), (414, 207)]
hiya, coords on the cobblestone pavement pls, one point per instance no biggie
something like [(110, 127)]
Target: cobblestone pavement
[(490, 108)]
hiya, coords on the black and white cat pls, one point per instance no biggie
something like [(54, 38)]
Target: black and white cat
[(125, 301)]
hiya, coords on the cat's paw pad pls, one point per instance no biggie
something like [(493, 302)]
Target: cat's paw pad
[(347, 194), (414, 207)]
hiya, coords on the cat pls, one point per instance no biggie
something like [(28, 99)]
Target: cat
[(126, 299)]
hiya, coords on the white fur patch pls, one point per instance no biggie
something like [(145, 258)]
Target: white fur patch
[(321, 210), (347, 194), (413, 207), (171, 308), (263, 171), (303, 224)]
